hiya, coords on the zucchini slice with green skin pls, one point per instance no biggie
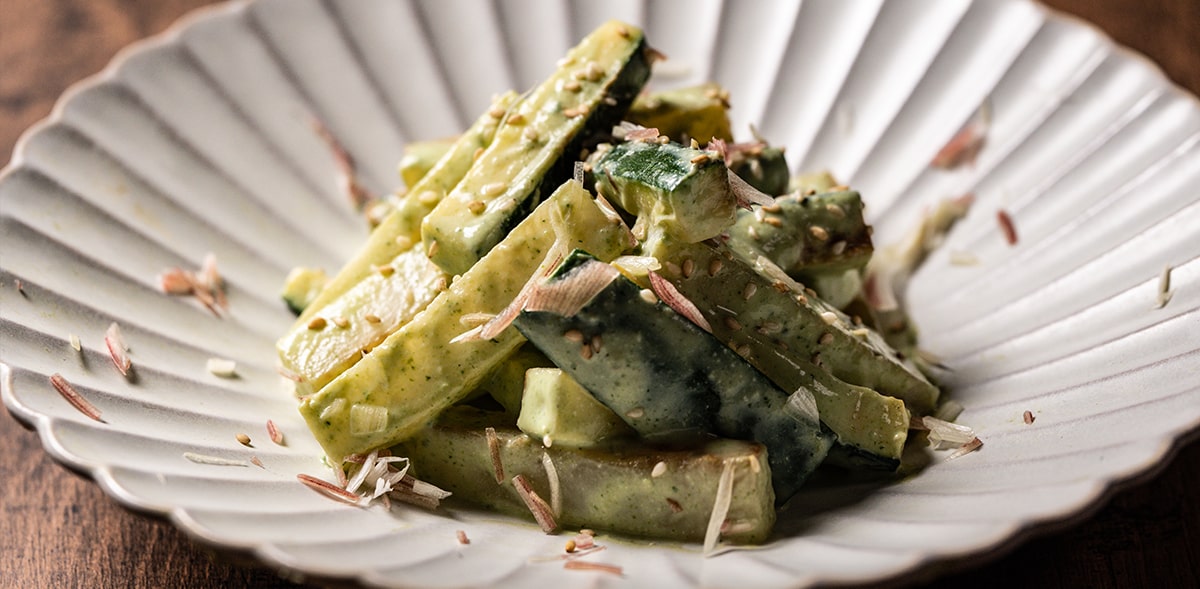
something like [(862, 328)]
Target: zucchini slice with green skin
[(535, 149), (624, 488), (418, 371), (664, 375), (695, 112), (678, 193), (756, 308), (388, 281)]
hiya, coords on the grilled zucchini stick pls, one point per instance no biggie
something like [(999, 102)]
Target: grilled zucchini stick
[(537, 145)]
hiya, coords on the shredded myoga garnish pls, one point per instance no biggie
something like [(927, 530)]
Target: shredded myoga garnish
[(597, 307)]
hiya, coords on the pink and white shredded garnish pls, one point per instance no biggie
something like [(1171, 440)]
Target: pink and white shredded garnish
[(668, 294), (73, 397), (461, 536), (360, 196), (207, 285), (583, 565), (329, 489), (274, 433), (720, 509), (746, 194), (385, 477), (967, 448), (213, 460), (944, 435), (555, 487), (966, 144), (537, 506), (117, 350), (493, 442)]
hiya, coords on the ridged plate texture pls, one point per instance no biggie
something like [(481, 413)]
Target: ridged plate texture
[(199, 141)]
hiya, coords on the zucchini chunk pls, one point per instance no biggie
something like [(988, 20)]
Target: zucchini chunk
[(506, 383), (418, 371), (557, 410), (615, 487), (386, 282), (537, 144), (678, 193), (664, 375), (695, 112)]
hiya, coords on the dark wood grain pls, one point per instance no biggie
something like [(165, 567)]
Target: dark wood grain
[(58, 529)]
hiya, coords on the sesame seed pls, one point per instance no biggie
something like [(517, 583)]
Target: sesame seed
[(317, 323), (610, 101), (586, 352), (476, 207), (570, 546), (574, 335), (404, 242), (648, 295), (701, 159), (663, 140), (530, 134), (572, 86), (829, 317), (835, 210), (688, 267), (674, 505), (243, 439), (660, 468), (477, 153), (1007, 226), (623, 31), (733, 324), (819, 232), (825, 338), (816, 359), (635, 413), (493, 189), (429, 197), (385, 271), (516, 119), (341, 322), (749, 291), (839, 188), (743, 350), (752, 232), (714, 266), (838, 248), (769, 328), (695, 144), (596, 343), (565, 61), (773, 221), (496, 112), (593, 71), (432, 250)]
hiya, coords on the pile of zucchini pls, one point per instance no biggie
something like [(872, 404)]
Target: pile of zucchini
[(594, 305)]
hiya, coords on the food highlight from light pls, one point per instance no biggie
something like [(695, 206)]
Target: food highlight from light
[(594, 309)]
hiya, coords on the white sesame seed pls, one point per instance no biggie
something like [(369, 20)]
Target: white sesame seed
[(493, 189), (829, 317)]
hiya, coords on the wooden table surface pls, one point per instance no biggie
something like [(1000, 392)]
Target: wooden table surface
[(58, 529)]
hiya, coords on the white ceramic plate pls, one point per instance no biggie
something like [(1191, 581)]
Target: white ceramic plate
[(198, 141)]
